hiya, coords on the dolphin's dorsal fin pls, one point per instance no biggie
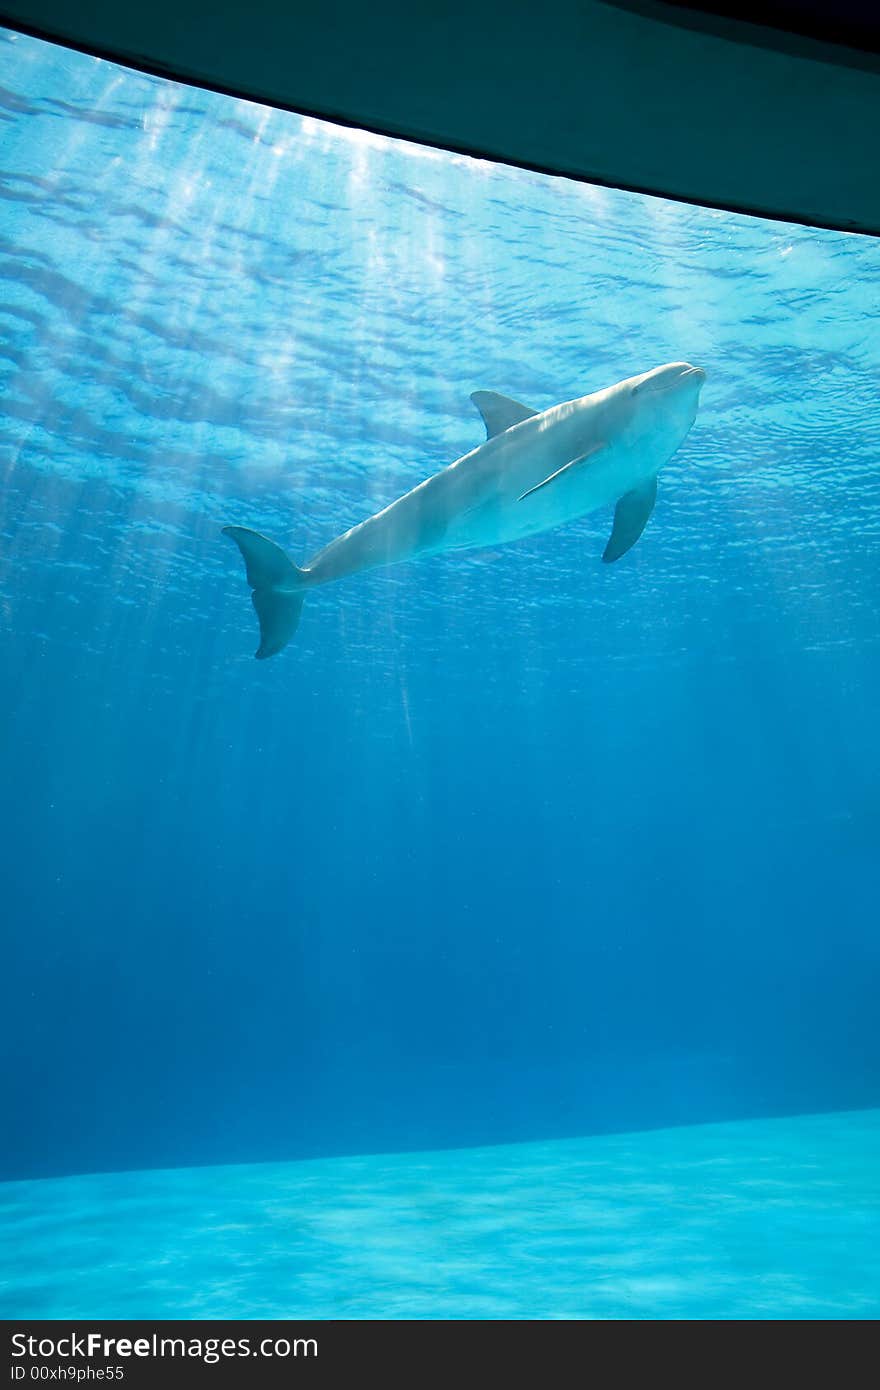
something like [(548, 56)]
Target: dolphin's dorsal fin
[(581, 458), (499, 412), (630, 519)]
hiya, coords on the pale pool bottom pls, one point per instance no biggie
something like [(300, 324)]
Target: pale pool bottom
[(765, 1219)]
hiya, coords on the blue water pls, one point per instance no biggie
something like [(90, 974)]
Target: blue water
[(506, 847)]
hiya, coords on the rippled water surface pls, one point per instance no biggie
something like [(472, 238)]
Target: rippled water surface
[(508, 845)]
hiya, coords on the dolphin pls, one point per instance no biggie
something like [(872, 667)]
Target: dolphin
[(535, 470)]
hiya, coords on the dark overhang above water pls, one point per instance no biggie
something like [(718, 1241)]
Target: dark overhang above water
[(778, 118)]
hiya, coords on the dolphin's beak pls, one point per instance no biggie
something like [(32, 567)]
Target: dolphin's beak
[(694, 371)]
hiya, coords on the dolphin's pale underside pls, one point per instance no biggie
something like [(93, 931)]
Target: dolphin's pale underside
[(536, 470)]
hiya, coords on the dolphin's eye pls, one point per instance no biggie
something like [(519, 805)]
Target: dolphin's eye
[(634, 390)]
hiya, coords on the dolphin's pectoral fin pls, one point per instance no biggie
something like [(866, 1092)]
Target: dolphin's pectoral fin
[(630, 519), (499, 412), (566, 467), (279, 588)]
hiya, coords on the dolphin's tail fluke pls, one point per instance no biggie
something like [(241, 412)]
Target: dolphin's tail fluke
[(279, 588)]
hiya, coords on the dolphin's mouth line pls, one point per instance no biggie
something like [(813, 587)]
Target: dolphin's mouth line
[(658, 386)]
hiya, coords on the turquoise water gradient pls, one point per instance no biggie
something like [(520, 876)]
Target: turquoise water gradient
[(770, 1219), (509, 853)]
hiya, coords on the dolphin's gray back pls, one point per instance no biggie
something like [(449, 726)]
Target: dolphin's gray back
[(475, 501), (419, 523)]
